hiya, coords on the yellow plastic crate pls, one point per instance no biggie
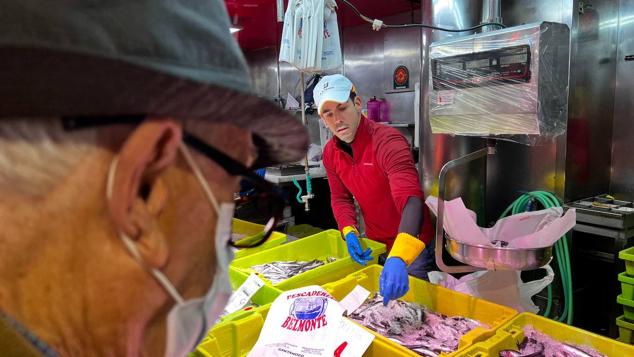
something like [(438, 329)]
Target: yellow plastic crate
[(436, 298), (318, 246), (626, 330), (511, 334), (248, 228), (234, 338)]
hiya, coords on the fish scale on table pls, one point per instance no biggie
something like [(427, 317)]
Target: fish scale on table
[(413, 326)]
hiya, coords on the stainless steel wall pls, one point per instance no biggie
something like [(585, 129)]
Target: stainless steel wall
[(370, 58), (622, 182), (469, 181), (263, 67), (516, 168), (575, 165), (578, 164), (363, 56), (592, 92)]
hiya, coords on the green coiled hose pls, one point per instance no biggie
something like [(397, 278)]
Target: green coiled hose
[(562, 254)]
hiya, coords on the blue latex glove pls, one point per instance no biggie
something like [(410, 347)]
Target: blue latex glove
[(356, 252), (393, 282)]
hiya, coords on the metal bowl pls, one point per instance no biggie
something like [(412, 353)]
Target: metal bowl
[(493, 258)]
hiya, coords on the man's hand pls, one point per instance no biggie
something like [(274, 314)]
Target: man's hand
[(393, 282), (354, 248)]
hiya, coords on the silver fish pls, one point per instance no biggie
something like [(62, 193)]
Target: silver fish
[(421, 350), (413, 326), (276, 272), (538, 344), (511, 353), (574, 351)]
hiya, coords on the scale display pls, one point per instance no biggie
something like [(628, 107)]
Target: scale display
[(501, 66)]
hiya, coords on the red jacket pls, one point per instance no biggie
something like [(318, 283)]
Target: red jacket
[(381, 176)]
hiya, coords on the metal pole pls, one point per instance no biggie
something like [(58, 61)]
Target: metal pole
[(306, 169), (491, 12), (440, 217), (442, 180), (423, 103)]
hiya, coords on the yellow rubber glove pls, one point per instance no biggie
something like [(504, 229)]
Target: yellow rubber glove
[(349, 229), (406, 247)]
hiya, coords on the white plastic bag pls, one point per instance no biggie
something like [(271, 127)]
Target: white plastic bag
[(287, 44), (502, 287), (331, 48), (309, 322), (310, 36)]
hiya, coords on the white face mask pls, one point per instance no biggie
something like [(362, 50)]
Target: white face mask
[(189, 321)]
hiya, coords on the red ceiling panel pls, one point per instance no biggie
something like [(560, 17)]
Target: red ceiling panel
[(258, 18)]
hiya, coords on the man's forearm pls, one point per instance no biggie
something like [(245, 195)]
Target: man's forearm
[(412, 217)]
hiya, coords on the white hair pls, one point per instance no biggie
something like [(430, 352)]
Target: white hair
[(37, 153)]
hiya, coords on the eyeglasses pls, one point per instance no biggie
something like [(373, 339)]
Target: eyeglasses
[(268, 197)]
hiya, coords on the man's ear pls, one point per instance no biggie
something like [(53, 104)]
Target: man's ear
[(358, 102), (138, 193)]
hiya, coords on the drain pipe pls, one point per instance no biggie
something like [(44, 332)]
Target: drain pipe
[(491, 12)]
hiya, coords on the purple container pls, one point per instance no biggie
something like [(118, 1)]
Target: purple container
[(374, 109)]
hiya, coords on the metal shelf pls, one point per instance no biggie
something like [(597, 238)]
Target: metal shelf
[(398, 125)]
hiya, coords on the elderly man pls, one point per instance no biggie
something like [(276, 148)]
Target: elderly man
[(372, 163), (124, 129)]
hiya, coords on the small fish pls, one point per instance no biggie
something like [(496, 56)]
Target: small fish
[(511, 353), (421, 350), (538, 344), (276, 272), (413, 326), (573, 351)]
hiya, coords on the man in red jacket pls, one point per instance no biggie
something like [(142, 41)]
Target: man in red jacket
[(373, 164)]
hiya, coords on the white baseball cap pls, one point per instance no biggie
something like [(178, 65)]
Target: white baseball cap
[(333, 88)]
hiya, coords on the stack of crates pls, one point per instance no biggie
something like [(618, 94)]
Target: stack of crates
[(626, 321), (236, 334), (326, 245), (236, 337)]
